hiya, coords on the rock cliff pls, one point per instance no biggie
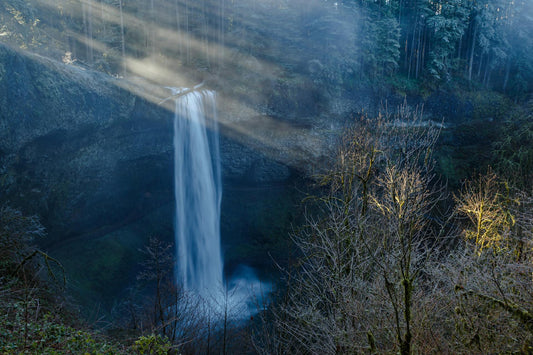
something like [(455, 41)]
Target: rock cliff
[(89, 152)]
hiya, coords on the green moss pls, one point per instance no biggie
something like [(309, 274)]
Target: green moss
[(46, 335), (404, 86), (488, 104), (152, 344)]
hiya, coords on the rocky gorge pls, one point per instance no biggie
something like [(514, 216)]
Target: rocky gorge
[(92, 156)]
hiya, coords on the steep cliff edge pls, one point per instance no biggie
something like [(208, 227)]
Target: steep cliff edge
[(69, 137)]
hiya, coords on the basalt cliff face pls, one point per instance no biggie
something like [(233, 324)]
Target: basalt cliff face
[(88, 152), (73, 143)]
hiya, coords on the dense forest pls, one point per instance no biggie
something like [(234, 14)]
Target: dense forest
[(376, 161), (484, 43)]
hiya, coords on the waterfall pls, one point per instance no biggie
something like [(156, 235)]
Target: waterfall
[(198, 193)]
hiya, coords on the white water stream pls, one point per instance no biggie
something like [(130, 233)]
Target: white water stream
[(198, 193), (198, 196)]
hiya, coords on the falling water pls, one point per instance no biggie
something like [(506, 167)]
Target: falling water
[(198, 192)]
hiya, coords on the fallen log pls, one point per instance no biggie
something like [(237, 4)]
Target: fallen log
[(183, 93)]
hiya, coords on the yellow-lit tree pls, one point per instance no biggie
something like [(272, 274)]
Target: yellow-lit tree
[(487, 204)]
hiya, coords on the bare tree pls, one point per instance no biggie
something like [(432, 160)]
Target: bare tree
[(192, 324), (167, 309), (487, 203), (482, 299), (486, 303), (357, 288)]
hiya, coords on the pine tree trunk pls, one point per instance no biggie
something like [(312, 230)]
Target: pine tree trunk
[(123, 44), (188, 36), (85, 29), (206, 33), (424, 43), (90, 31), (460, 47), (472, 49), (480, 66), (488, 71), (103, 19), (419, 51), (412, 51), (222, 43), (178, 29), (507, 71), (152, 28)]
